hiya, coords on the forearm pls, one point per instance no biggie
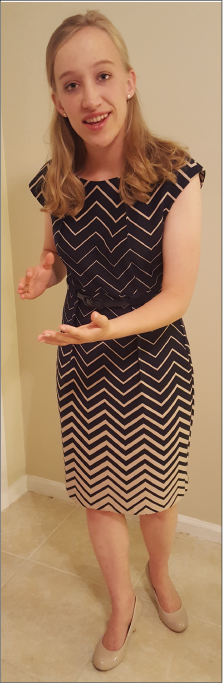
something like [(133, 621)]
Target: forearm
[(162, 310), (59, 270)]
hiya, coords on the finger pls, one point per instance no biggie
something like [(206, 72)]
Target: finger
[(21, 285), (51, 334), (69, 329), (29, 273), (54, 339), (23, 289), (25, 295), (48, 261)]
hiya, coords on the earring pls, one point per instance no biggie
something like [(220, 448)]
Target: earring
[(65, 114), (129, 97)]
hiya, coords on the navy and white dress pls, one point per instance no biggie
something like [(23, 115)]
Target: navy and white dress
[(126, 405)]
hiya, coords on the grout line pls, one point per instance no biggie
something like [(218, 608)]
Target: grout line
[(190, 615), (27, 673), (50, 566), (76, 575), (89, 659), (63, 571), (139, 577), (11, 575), (20, 557), (33, 553), (47, 537), (205, 621)]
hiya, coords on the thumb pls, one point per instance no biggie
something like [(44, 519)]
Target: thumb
[(98, 319), (49, 260)]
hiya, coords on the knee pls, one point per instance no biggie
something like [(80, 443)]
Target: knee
[(93, 515), (160, 516)]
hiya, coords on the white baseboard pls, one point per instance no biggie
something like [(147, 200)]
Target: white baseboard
[(199, 528), (55, 489), (48, 487), (4, 500), (17, 489)]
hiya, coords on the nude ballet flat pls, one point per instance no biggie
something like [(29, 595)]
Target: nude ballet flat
[(104, 659), (176, 621)]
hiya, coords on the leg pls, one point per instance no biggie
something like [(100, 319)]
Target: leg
[(109, 536), (158, 530)]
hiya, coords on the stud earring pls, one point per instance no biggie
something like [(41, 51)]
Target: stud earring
[(64, 114)]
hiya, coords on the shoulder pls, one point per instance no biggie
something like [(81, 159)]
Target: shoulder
[(184, 175), (37, 183)]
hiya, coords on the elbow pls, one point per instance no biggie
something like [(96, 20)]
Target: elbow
[(177, 303), (182, 306)]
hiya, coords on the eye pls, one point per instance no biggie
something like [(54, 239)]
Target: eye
[(104, 77), (71, 86)]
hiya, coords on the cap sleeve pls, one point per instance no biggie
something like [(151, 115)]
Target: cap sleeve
[(36, 184), (183, 176)]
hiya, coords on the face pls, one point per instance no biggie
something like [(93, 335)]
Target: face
[(92, 87)]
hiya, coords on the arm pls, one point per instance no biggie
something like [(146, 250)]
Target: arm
[(50, 270), (59, 270), (181, 253)]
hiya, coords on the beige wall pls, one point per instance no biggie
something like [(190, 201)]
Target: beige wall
[(175, 49), (12, 418)]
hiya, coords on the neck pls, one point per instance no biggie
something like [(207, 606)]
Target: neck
[(103, 163)]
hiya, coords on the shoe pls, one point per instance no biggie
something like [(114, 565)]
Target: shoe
[(104, 659), (176, 621)]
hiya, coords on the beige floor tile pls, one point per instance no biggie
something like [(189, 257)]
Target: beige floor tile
[(51, 622), (201, 580), (199, 584), (181, 671), (29, 521), (10, 674), (156, 654), (142, 662), (9, 565), (69, 549), (199, 645), (139, 666)]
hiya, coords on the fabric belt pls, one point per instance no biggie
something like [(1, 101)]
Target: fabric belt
[(135, 300)]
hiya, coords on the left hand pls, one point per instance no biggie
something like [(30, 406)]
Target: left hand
[(98, 330)]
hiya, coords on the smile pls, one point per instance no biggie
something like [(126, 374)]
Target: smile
[(96, 119)]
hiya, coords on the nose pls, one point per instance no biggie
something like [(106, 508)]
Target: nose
[(91, 97)]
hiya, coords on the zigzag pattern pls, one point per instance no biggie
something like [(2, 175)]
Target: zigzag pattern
[(126, 405)]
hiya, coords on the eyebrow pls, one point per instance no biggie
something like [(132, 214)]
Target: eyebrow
[(102, 61)]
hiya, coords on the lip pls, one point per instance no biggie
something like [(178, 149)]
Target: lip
[(93, 116), (98, 125)]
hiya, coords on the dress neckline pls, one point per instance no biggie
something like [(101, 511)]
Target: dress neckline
[(107, 180)]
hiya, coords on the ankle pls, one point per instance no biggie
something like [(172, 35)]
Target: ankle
[(123, 604), (158, 571)]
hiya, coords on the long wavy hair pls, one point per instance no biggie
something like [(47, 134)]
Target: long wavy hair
[(148, 159)]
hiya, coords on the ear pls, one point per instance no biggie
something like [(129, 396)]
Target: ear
[(131, 83), (58, 104)]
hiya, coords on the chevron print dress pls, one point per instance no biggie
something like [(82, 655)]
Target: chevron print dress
[(126, 405)]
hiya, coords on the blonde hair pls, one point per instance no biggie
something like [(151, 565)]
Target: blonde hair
[(148, 159)]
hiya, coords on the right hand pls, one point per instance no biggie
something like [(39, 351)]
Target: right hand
[(36, 279)]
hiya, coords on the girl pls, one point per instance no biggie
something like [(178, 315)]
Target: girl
[(122, 221)]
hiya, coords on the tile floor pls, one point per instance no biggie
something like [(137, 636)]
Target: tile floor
[(55, 603)]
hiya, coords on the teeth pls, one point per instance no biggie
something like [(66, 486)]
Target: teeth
[(97, 118)]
